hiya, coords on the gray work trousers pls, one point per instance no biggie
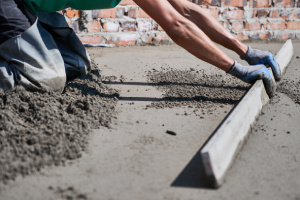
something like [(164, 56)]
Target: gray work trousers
[(44, 56)]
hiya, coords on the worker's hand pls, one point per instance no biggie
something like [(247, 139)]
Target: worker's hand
[(256, 57), (250, 74)]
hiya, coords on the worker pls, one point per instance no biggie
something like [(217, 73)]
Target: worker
[(39, 51)]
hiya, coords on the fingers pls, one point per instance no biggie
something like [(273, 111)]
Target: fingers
[(270, 84), (271, 62), (275, 67), (264, 75)]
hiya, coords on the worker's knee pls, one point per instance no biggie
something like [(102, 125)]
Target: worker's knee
[(54, 83), (31, 77)]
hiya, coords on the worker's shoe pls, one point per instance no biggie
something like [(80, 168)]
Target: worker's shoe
[(250, 74), (256, 57)]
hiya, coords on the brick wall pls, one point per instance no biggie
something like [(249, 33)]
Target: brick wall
[(127, 24)]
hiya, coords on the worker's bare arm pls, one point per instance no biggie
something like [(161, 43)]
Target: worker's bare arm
[(185, 33), (209, 25)]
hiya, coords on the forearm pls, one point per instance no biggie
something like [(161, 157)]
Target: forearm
[(211, 27), (185, 33), (190, 37)]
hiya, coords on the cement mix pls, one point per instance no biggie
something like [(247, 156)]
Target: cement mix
[(168, 104), (44, 129)]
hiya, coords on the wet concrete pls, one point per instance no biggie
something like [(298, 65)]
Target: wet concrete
[(168, 104), (45, 129)]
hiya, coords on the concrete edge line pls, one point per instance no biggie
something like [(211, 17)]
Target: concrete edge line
[(284, 55), (219, 151)]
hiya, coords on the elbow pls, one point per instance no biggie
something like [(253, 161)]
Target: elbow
[(177, 30)]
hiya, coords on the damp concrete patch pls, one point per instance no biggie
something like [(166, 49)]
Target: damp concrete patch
[(195, 88)]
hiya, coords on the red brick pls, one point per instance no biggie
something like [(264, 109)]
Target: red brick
[(120, 11), (242, 37), (110, 27), (234, 3), (214, 12), (210, 2), (93, 39), (266, 35), (224, 24), (253, 36), (161, 37), (274, 14), (133, 12), (292, 25), (262, 13), (136, 12), (283, 3), (78, 13), (94, 26), (260, 3), (254, 26), (234, 14), (286, 36), (72, 13), (123, 39), (146, 38), (107, 13), (280, 25), (285, 15), (128, 26), (144, 25), (237, 26)]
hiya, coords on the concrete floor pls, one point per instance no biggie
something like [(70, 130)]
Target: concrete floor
[(136, 159)]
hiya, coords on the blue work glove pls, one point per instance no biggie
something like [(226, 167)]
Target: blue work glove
[(257, 57), (250, 74)]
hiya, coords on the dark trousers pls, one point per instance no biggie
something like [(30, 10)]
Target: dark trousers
[(13, 21)]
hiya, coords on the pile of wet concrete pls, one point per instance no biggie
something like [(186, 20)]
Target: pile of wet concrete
[(46, 129), (291, 89), (196, 88)]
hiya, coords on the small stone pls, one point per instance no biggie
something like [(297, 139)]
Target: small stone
[(171, 132)]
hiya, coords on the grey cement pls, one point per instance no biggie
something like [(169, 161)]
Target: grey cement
[(45, 129), (137, 159)]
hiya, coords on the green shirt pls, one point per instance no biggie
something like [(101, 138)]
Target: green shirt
[(56, 5)]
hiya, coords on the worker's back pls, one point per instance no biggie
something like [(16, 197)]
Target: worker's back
[(56, 5)]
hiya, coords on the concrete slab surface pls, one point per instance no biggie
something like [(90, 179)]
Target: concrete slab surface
[(137, 159)]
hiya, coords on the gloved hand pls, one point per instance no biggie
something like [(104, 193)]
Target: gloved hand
[(250, 74), (256, 57)]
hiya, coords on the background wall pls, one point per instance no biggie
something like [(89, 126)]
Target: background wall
[(127, 24)]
